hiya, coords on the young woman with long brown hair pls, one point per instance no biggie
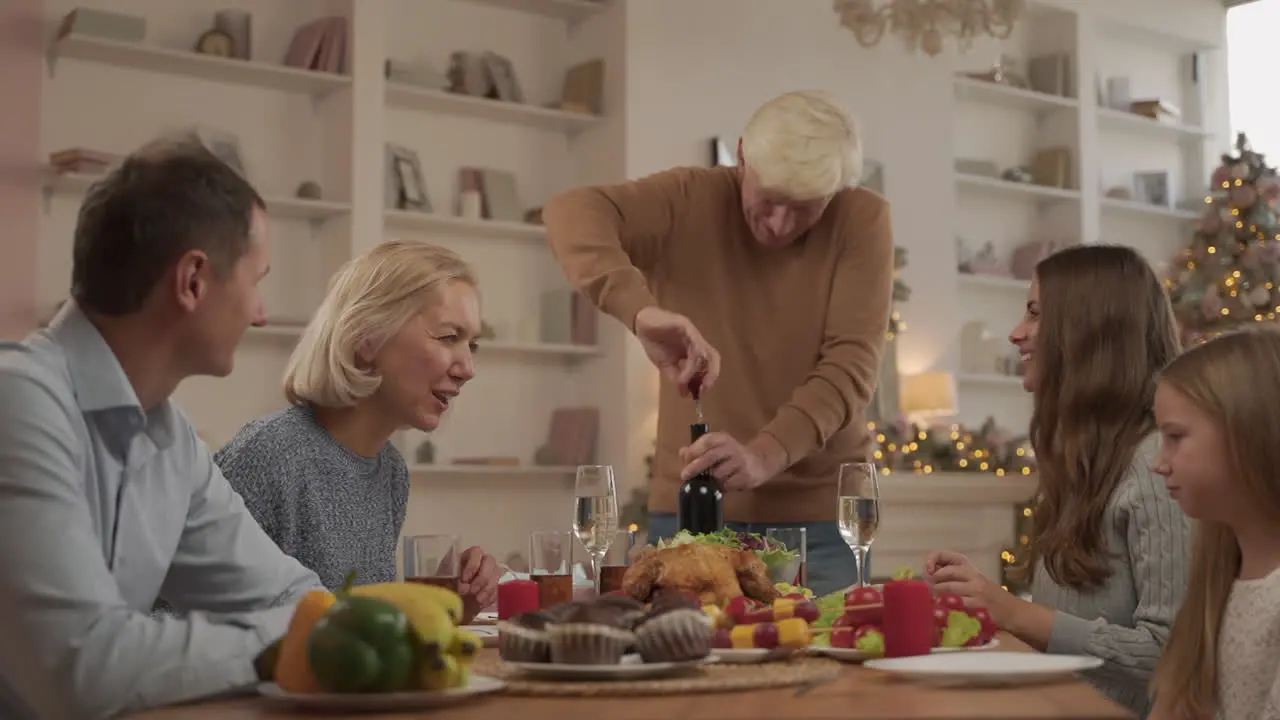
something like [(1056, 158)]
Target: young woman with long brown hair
[(1109, 545), (1218, 414)]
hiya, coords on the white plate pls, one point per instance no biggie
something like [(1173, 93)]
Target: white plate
[(986, 669), (490, 616), (631, 668), (856, 655), (748, 656), (378, 702), (488, 634)]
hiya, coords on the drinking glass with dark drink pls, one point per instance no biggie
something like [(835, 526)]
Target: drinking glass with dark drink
[(551, 565), (432, 560), (795, 540), (615, 562)]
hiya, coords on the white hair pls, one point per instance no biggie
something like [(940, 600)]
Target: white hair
[(370, 298), (803, 144)]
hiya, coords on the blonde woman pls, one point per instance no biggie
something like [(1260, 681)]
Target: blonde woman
[(1109, 546), (1217, 410), (391, 346)]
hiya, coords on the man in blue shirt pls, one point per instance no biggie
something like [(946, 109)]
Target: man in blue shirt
[(108, 500)]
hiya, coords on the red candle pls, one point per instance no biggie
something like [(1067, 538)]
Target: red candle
[(516, 597), (908, 618)]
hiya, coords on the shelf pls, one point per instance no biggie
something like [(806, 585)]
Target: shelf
[(561, 349), (991, 379), (994, 282), (277, 207), (1131, 207), (996, 185), (408, 97), (556, 471), (137, 56), (1121, 121), (293, 332), (463, 227), (989, 93), (571, 10)]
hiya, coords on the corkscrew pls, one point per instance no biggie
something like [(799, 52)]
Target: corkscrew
[(695, 389)]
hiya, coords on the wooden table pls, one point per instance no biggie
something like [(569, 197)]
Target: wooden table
[(857, 693)]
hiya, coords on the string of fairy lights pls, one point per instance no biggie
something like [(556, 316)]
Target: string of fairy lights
[(953, 448)]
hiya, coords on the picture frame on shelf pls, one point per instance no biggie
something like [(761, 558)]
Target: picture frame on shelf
[(405, 186), (1152, 188), (873, 176), (724, 152)]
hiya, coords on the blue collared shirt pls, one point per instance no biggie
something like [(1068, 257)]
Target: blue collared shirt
[(104, 507)]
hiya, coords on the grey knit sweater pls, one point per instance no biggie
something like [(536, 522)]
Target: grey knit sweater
[(330, 508), (1126, 622)]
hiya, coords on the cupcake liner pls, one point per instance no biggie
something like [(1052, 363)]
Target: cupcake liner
[(522, 644), (583, 644), (676, 636)]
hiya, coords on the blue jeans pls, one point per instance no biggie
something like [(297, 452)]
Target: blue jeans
[(831, 563)]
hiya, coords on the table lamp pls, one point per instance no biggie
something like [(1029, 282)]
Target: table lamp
[(928, 396)]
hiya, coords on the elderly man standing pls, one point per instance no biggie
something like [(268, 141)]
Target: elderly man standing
[(780, 268)]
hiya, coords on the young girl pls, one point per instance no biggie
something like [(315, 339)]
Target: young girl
[(1109, 546), (1218, 409)]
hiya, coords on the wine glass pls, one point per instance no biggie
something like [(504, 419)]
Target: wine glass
[(595, 516), (859, 510)]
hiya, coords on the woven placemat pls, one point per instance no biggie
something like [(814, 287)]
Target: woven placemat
[(714, 677)]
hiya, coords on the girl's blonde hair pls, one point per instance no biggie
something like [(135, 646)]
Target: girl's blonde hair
[(1234, 380), (1106, 329), (803, 144), (370, 298)]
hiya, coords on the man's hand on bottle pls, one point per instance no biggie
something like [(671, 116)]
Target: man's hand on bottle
[(736, 465), (677, 349)]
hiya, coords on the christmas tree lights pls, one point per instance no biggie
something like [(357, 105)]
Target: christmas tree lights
[(1228, 275)]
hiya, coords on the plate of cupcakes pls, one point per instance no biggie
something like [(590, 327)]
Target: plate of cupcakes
[(612, 637)]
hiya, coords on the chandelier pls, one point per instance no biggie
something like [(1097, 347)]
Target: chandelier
[(923, 23)]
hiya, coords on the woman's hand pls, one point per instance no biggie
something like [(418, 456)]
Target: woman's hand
[(951, 572), (477, 582)]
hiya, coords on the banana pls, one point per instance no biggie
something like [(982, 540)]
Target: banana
[(440, 672), (431, 620), (465, 647), (415, 593)]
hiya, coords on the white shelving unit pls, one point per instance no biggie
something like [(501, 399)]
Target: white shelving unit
[(1107, 147), (358, 116)]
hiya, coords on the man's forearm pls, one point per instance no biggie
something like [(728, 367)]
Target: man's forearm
[(771, 453)]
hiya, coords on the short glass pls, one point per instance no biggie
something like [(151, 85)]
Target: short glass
[(432, 560), (551, 565), (616, 561), (795, 540)]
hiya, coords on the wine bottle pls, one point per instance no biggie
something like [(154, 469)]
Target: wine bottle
[(701, 498)]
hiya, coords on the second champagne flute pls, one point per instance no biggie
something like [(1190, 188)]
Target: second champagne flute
[(859, 511), (595, 514)]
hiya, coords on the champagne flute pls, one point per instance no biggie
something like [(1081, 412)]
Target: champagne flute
[(595, 516), (859, 513)]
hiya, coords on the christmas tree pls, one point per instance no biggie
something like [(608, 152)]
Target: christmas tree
[(1229, 274)]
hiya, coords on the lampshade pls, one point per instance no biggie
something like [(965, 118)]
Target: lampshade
[(927, 395)]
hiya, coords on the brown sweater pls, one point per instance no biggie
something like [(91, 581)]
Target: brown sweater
[(800, 329)]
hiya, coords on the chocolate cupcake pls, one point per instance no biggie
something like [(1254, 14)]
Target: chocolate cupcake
[(629, 611), (591, 634), (674, 635), (524, 638)]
